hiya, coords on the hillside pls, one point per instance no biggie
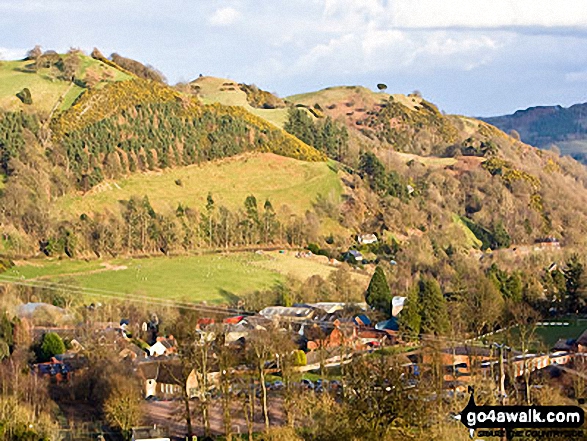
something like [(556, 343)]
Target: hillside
[(545, 126), (456, 166), (139, 167), (48, 86), (229, 93), (283, 181)]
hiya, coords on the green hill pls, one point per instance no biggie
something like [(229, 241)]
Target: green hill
[(48, 87), (284, 181), (227, 92)]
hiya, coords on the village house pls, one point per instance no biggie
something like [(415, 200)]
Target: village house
[(163, 346), (165, 379), (366, 239)]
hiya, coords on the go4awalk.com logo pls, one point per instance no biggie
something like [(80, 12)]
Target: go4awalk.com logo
[(507, 418)]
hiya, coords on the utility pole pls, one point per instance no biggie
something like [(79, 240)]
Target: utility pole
[(502, 395)]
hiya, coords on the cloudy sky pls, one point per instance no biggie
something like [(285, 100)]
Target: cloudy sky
[(468, 56)]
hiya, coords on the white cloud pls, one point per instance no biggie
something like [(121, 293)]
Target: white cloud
[(576, 77), (374, 50), (427, 14), (12, 53), (224, 17)]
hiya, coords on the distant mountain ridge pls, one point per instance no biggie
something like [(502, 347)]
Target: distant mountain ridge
[(545, 126)]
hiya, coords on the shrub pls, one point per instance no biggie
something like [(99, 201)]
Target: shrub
[(25, 96), (52, 345)]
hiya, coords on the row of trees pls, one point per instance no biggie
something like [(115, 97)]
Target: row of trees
[(140, 229), (325, 134)]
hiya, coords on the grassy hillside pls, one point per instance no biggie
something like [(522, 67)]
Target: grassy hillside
[(227, 92), (284, 181), (46, 86)]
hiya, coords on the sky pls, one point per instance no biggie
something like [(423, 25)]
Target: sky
[(470, 57)]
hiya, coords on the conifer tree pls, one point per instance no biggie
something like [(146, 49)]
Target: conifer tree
[(410, 318), (378, 295), (433, 307)]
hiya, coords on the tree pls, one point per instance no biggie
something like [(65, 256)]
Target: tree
[(25, 96), (433, 307), (270, 224), (410, 319), (378, 294), (34, 53), (52, 345), (483, 307), (381, 86), (122, 408), (576, 293), (261, 350), (501, 238), (70, 65), (373, 170)]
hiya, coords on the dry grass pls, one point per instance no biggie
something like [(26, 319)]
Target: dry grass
[(284, 181)]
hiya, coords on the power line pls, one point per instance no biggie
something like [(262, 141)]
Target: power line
[(14, 280)]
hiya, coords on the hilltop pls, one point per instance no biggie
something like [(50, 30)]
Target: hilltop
[(230, 93), (547, 126), (49, 86)]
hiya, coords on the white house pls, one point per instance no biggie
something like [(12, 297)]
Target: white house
[(366, 239)]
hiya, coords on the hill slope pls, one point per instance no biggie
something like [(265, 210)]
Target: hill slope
[(284, 181), (227, 92), (544, 126), (48, 86), (455, 166)]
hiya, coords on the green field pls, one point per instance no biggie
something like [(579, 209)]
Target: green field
[(45, 86), (213, 278), (282, 180), (545, 337), (210, 93), (551, 334)]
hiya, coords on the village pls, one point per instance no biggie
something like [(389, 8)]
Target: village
[(325, 336)]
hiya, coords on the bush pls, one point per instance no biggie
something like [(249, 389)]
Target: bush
[(52, 345), (25, 96), (299, 358)]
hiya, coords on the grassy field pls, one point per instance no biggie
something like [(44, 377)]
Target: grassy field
[(546, 336), (430, 161), (472, 241), (210, 93), (214, 278), (282, 180), (552, 333), (288, 264), (46, 89)]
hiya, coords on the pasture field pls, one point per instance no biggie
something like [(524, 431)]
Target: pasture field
[(212, 90), (45, 85), (210, 278), (213, 278), (284, 181)]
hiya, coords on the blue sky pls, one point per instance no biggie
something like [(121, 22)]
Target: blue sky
[(468, 56)]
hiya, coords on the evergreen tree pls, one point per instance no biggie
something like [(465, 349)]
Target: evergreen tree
[(410, 318), (378, 294), (576, 294), (433, 307), (371, 167), (52, 345), (501, 238)]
